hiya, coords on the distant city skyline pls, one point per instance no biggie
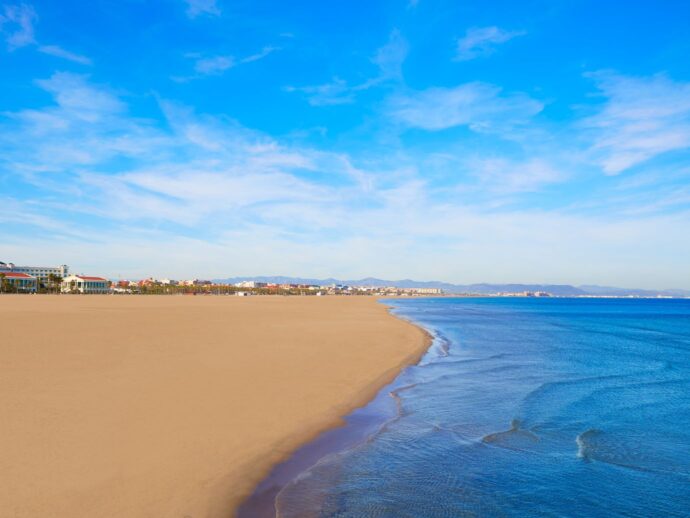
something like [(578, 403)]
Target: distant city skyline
[(539, 142)]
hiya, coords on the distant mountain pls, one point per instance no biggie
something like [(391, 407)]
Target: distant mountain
[(563, 290)]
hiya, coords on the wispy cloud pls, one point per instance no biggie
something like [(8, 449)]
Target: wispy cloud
[(643, 117), (388, 59), (17, 25), (482, 41), (214, 65), (217, 65), (328, 94), (54, 50), (197, 167), (77, 99), (508, 176), (72, 132), (260, 55), (391, 57), (480, 106), (202, 7)]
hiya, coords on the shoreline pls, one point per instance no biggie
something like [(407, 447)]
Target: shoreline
[(338, 435), (174, 406)]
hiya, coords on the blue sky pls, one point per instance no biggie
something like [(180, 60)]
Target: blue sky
[(502, 141)]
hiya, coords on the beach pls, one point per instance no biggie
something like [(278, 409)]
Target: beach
[(177, 406)]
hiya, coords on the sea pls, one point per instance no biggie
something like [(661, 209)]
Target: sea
[(547, 407)]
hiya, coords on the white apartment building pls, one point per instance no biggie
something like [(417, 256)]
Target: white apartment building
[(251, 284), (40, 272), (428, 291)]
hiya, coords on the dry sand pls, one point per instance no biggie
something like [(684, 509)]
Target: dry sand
[(167, 407)]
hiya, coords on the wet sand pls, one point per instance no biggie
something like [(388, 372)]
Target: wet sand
[(177, 406)]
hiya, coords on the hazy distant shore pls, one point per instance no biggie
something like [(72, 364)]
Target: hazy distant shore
[(177, 406)]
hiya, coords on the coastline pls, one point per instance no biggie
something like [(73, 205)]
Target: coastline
[(341, 433), (191, 407)]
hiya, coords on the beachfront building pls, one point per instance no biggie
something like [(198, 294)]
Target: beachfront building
[(251, 284), (428, 291), (85, 284), (194, 282), (42, 273), (18, 282)]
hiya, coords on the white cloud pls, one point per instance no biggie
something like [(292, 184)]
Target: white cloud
[(482, 41), (86, 125), (643, 117), (508, 177), (199, 7), (479, 106), (260, 55), (214, 65), (389, 60), (17, 25), (199, 166), (335, 92), (54, 50), (391, 56), (78, 99), (217, 65)]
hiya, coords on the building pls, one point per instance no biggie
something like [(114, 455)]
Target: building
[(428, 291), (85, 284), (41, 273), (19, 281), (251, 284), (194, 282)]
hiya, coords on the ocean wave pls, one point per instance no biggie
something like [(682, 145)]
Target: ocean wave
[(595, 445), (516, 438), (584, 442), (569, 400)]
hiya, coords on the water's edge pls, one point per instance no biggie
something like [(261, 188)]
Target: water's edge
[(361, 424), (572, 407)]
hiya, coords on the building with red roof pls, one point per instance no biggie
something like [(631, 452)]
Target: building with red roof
[(18, 281), (85, 284)]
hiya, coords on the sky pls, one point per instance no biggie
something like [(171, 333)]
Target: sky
[(462, 141)]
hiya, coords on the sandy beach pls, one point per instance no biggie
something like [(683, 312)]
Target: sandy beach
[(154, 406)]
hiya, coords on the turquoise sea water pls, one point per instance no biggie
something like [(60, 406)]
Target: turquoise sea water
[(523, 407)]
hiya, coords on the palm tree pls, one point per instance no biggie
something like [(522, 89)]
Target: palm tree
[(6, 286), (55, 282)]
